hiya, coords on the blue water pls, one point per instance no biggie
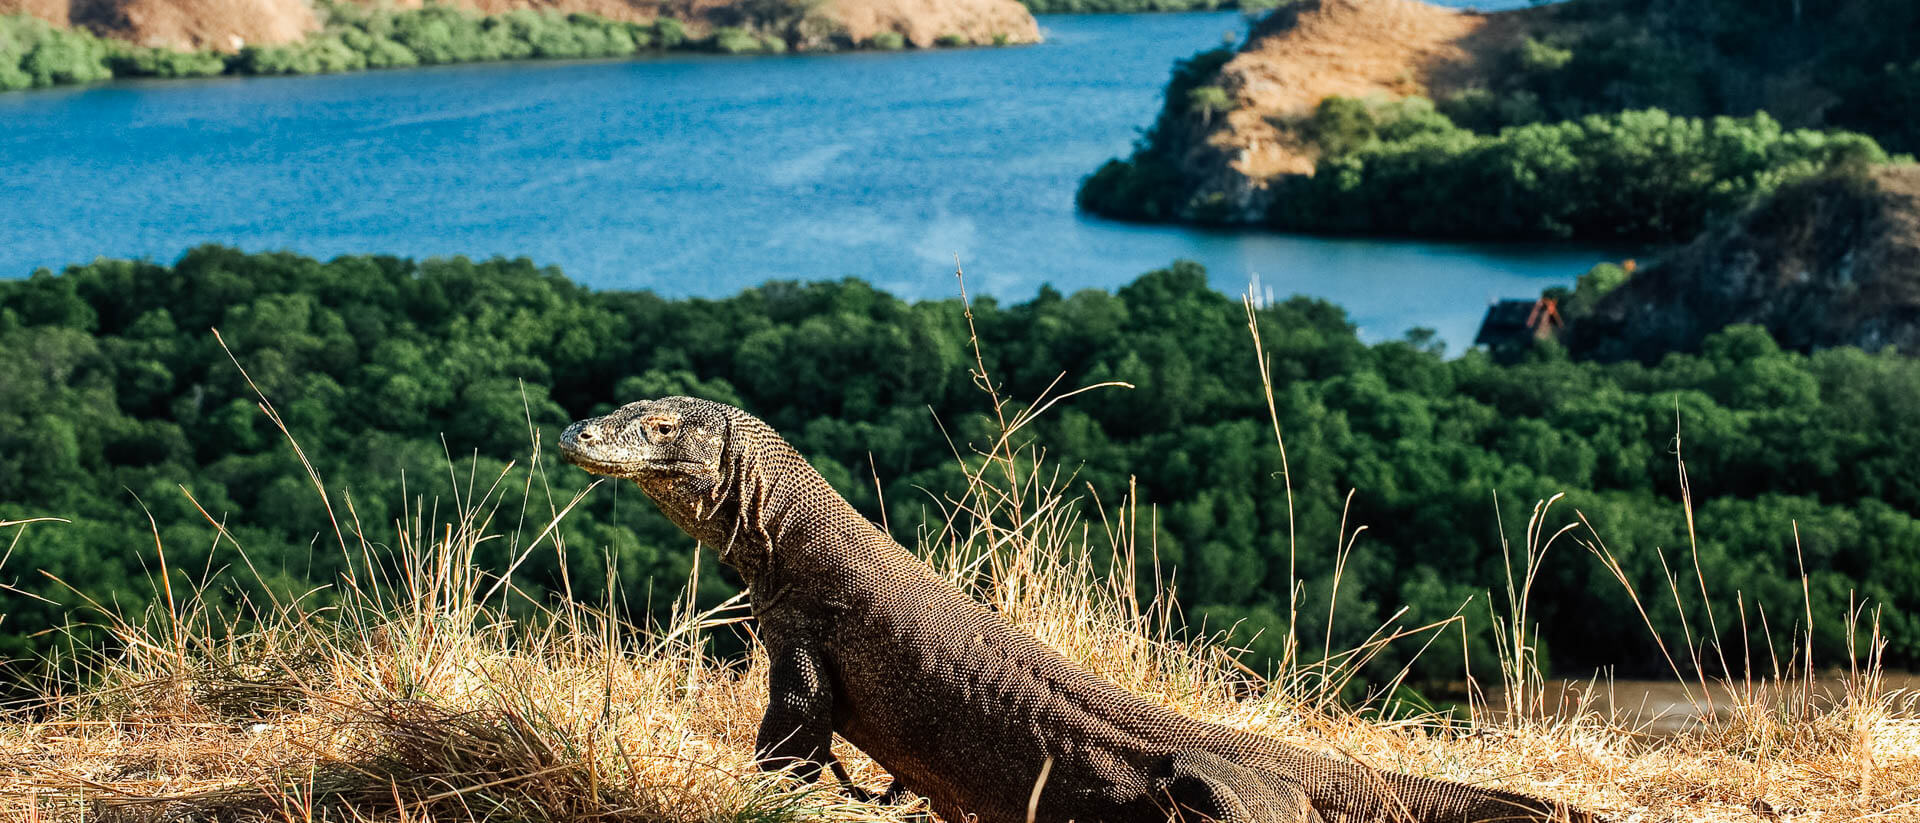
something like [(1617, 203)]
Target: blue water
[(696, 175)]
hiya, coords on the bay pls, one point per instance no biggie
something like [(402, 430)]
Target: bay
[(696, 175)]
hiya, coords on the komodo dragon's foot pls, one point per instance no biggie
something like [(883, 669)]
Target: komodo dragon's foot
[(1206, 786), (896, 794)]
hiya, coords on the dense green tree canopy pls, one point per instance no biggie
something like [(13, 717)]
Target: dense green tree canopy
[(115, 396)]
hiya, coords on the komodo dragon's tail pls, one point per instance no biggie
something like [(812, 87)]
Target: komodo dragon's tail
[(1410, 798), (1345, 792)]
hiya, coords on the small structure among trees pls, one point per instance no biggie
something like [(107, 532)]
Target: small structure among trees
[(1519, 322)]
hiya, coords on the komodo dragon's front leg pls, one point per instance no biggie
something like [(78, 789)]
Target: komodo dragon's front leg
[(1205, 786), (797, 730)]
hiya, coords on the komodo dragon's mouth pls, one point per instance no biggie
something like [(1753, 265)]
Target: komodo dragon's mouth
[(600, 466), (630, 470)]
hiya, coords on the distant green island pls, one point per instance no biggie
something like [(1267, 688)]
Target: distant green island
[(1594, 120), (36, 54), (1405, 168), (117, 401)]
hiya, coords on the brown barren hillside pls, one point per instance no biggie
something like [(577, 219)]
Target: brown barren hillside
[(1321, 48), (227, 25), (924, 21)]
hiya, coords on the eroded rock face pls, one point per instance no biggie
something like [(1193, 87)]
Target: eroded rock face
[(1826, 263), (227, 25)]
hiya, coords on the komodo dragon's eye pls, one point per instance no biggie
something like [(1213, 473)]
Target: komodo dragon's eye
[(663, 429)]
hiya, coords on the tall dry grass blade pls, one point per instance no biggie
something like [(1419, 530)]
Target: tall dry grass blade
[(273, 414), (1693, 545), (1288, 658)]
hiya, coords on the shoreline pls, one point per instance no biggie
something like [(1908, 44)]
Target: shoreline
[(355, 40)]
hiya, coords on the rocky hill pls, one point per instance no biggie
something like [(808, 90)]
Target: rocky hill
[(1317, 49), (1826, 263), (228, 25), (1239, 125)]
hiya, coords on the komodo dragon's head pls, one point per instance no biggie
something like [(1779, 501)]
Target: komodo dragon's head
[(675, 444), (712, 468)]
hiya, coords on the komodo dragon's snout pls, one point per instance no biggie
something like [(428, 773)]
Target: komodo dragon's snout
[(866, 641)]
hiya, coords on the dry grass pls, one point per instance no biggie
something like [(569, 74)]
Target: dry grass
[(424, 700)]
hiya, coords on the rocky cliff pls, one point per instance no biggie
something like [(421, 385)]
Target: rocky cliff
[(227, 25), (1831, 262)]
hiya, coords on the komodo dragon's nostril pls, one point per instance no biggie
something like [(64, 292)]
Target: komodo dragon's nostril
[(584, 436)]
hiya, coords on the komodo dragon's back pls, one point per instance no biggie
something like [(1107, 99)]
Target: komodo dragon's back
[(960, 705)]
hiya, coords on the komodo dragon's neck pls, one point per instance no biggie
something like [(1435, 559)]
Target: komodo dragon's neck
[(775, 519)]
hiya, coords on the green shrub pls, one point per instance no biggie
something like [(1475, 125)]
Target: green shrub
[(669, 33), (1145, 187), (127, 60), (1644, 175), (1587, 291), (12, 78), (320, 55), (1209, 101), (733, 40), (1343, 125), (888, 41), (949, 41), (1149, 185), (1535, 56), (384, 53), (36, 54)]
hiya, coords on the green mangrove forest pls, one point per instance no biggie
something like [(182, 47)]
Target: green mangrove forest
[(402, 379)]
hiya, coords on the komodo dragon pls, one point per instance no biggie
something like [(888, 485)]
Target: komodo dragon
[(961, 706)]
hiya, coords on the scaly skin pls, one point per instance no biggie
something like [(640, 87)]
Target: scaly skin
[(961, 706)]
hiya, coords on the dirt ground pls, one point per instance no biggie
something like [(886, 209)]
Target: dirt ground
[(1662, 707)]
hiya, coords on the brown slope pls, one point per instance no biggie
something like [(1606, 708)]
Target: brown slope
[(1826, 263), (225, 25), (923, 22), (1323, 48)]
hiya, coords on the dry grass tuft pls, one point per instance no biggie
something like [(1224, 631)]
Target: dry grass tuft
[(424, 699)]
